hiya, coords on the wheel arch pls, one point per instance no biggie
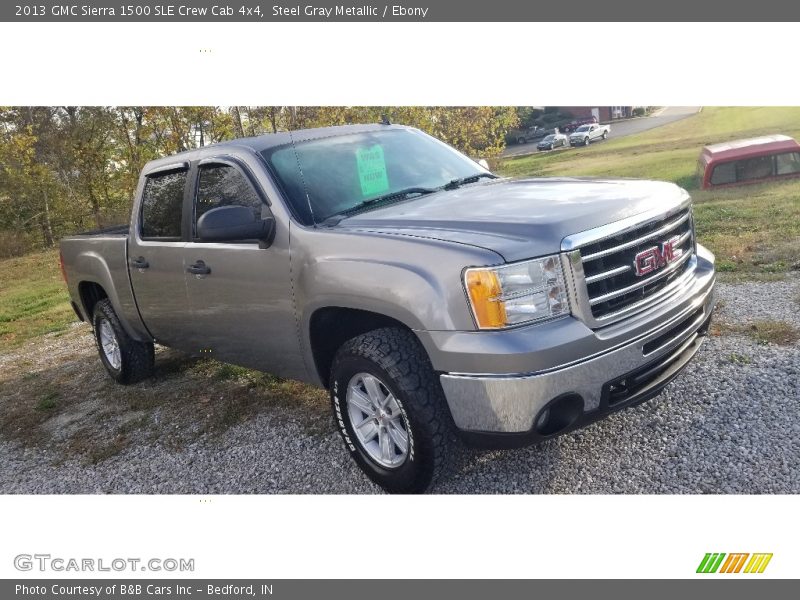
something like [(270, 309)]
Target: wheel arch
[(90, 293), (331, 326)]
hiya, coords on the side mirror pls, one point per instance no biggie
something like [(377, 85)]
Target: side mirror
[(234, 223)]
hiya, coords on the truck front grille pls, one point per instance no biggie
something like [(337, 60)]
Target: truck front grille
[(609, 269)]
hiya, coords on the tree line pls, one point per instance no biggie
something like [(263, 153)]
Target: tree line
[(67, 168)]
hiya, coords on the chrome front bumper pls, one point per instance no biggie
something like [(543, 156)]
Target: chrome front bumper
[(510, 403)]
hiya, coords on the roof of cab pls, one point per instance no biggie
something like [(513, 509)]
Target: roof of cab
[(269, 140), (749, 147)]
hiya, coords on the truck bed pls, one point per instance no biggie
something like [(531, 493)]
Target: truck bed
[(100, 257), (112, 230)]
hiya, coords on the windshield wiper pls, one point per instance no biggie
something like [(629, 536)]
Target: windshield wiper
[(398, 195), (457, 183)]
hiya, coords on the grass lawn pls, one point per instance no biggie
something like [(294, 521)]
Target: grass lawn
[(33, 298), (754, 230)]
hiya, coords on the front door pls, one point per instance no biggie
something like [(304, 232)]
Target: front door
[(240, 294)]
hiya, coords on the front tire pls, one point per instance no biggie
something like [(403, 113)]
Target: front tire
[(586, 141), (125, 359), (391, 411)]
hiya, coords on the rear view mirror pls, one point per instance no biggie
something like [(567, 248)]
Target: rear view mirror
[(234, 223)]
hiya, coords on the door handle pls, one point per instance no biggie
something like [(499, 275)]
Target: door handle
[(198, 268), (139, 263)]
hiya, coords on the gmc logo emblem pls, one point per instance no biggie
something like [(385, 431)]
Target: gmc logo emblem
[(656, 257)]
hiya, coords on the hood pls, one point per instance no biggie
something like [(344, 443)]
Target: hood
[(579, 133), (518, 219)]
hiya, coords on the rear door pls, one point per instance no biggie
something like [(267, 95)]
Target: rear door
[(240, 294), (155, 255)]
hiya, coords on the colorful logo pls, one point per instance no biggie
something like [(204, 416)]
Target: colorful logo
[(734, 563)]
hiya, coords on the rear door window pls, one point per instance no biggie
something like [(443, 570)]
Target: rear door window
[(162, 206)]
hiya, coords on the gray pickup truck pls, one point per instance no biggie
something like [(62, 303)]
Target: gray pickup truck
[(436, 301)]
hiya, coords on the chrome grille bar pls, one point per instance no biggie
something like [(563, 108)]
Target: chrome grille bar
[(657, 233), (607, 274), (643, 283)]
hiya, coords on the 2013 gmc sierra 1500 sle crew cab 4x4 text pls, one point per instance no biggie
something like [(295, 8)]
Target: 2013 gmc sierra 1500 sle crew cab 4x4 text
[(435, 300)]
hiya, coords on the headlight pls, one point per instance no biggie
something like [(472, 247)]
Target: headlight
[(523, 292)]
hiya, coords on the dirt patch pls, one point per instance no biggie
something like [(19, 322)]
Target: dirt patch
[(55, 393), (763, 332)]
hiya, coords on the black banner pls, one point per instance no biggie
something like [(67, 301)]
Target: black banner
[(406, 10)]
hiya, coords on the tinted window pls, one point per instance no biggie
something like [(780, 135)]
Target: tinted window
[(724, 173), (788, 163), (753, 168), (162, 204), (224, 185)]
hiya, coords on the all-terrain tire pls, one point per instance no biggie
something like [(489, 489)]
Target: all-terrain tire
[(396, 358), (136, 359)]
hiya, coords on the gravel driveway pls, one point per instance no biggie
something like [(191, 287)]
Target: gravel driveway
[(729, 424)]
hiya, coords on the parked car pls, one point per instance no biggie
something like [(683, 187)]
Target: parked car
[(433, 299), (575, 123), (586, 134), (526, 136), (749, 161), (554, 140)]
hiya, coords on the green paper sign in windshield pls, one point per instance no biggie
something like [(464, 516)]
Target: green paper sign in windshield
[(372, 171)]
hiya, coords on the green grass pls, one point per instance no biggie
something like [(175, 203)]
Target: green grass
[(48, 401), (33, 298), (752, 229), (739, 359)]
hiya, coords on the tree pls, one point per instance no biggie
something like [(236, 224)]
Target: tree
[(67, 168)]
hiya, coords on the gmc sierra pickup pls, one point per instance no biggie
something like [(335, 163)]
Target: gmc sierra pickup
[(586, 134), (435, 300)]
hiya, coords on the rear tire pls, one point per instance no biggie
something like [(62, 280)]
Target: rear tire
[(605, 135), (393, 360), (125, 359)]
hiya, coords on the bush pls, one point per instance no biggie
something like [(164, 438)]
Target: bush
[(639, 111), (13, 243), (551, 118)]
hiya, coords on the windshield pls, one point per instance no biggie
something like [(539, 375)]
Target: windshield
[(333, 175), (584, 128), (549, 138)]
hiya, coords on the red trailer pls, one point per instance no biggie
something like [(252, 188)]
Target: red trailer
[(748, 161)]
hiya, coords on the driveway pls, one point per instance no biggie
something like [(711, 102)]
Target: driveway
[(661, 117)]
